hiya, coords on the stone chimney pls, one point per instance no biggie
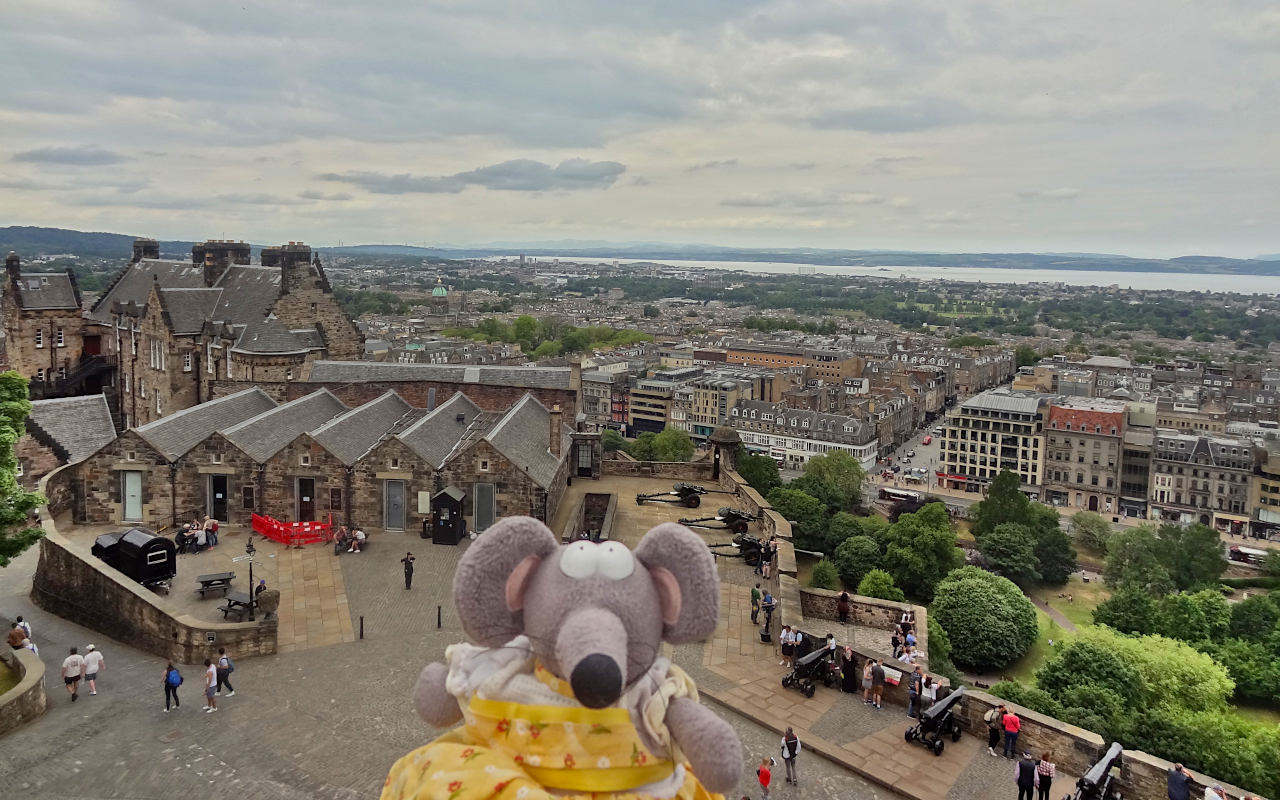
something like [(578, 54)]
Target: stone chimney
[(296, 271), (145, 248), (556, 425), (215, 256), (13, 266)]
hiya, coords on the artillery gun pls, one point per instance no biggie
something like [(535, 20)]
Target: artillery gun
[(726, 519), (688, 495), (744, 546)]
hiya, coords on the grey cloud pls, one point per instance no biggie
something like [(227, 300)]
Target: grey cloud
[(1060, 193), (728, 162), (517, 175), (814, 199), (311, 194), (260, 200), (88, 155)]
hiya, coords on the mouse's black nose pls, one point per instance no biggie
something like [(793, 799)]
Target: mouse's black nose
[(596, 681)]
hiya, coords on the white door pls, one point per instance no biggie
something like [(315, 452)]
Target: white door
[(132, 495)]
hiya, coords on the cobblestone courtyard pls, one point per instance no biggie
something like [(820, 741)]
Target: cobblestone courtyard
[(321, 720)]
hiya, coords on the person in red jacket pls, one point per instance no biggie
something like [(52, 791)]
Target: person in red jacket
[(1012, 724), (765, 774)]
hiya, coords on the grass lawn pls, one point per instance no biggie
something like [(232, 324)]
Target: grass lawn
[(1259, 713), (1085, 598), (1024, 668), (8, 678)]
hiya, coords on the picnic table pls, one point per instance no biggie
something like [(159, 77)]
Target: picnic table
[(215, 582), (238, 603)]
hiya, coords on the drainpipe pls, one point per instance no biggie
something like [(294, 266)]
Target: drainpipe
[(262, 487), (173, 495), (346, 505)]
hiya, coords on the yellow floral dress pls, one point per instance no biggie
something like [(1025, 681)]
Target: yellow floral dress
[(507, 749)]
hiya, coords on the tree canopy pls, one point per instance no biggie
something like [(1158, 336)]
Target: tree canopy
[(878, 583), (990, 622), (760, 473), (1009, 550), (673, 444), (1133, 560), (807, 515), (855, 557), (836, 478), (1091, 531), (920, 549), (16, 504)]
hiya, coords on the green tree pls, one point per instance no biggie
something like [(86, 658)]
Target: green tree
[(855, 557), (673, 444), (920, 549), (1004, 503), (1083, 663), (1192, 554), (1255, 618), (1254, 668), (651, 311), (611, 440), (1010, 551), (807, 515), (1091, 531), (1216, 610), (1271, 563), (548, 349), (525, 330), (824, 575), (1172, 672), (1129, 610), (16, 504), (1055, 557), (1032, 697), (1026, 355), (836, 478), (1133, 559), (843, 525), (940, 661), (990, 622), (641, 449), (1181, 618), (760, 473), (878, 583)]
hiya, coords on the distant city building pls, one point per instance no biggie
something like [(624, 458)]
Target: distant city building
[(994, 431)]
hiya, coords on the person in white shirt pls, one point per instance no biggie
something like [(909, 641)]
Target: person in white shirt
[(210, 682), (908, 656), (72, 672), (790, 749), (357, 541), (26, 626), (787, 644), (30, 645), (93, 664)]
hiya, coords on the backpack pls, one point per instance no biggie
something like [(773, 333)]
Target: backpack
[(231, 665), (214, 526), (994, 719), (174, 678)]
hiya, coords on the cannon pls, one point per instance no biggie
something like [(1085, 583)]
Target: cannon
[(729, 519), (938, 722), (745, 547), (686, 494), (1096, 783)]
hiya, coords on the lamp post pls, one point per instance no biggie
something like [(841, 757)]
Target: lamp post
[(253, 598)]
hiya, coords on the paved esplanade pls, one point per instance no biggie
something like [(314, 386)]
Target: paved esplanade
[(324, 722)]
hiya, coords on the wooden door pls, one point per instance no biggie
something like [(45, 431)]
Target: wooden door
[(306, 500)]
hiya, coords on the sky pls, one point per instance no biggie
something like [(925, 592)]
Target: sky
[(1143, 127)]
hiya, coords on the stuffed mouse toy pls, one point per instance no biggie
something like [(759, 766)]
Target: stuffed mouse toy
[(564, 693)]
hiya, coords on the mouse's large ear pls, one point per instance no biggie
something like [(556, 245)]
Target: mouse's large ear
[(488, 587), (684, 573)]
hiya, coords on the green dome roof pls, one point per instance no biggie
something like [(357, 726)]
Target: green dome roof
[(439, 291)]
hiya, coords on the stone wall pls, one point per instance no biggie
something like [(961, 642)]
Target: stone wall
[(306, 300), (27, 700), (303, 458), (594, 512), (216, 455), (61, 489), (675, 470), (101, 482), (517, 493), (869, 612), (36, 458), (391, 459), (86, 591)]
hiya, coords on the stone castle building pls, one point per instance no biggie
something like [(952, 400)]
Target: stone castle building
[(165, 330)]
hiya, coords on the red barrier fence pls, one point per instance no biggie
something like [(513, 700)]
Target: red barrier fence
[(293, 534)]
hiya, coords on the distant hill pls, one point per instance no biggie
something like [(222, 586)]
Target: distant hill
[(1269, 257), (30, 241)]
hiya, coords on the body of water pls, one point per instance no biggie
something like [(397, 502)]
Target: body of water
[(1179, 281)]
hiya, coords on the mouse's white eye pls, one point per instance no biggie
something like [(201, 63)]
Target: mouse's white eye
[(615, 561), (579, 560)]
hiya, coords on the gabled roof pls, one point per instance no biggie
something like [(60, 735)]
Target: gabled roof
[(523, 437), (354, 433), (134, 283), (47, 290), (179, 432), (74, 427), (435, 436), (361, 371), (187, 309), (268, 335), (266, 434)]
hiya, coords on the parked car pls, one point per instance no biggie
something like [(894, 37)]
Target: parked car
[(911, 454), (928, 440)]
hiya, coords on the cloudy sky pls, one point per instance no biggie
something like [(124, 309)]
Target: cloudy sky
[(1148, 127)]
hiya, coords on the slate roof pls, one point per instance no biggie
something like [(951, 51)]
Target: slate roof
[(266, 434), (135, 280), (363, 371), (74, 427), (189, 308), (437, 434), (523, 436), (268, 335), (354, 433), (179, 432), (44, 290)]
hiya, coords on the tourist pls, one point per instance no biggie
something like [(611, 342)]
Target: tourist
[(915, 688), (769, 605), (211, 531), (93, 664), (27, 644), (755, 604), (210, 682), (911, 639), (202, 539), (895, 642), (260, 588), (26, 626), (866, 681), (842, 608), (16, 635), (1012, 724), (172, 680), (764, 774), (908, 656), (408, 569), (877, 683), (72, 673), (1215, 792), (799, 646), (849, 672), (357, 541), (222, 672), (1044, 774), (790, 749), (995, 724), (1179, 783), (928, 693), (788, 645), (1024, 774), (767, 569)]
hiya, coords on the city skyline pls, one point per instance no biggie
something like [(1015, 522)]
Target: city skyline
[(1142, 130)]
